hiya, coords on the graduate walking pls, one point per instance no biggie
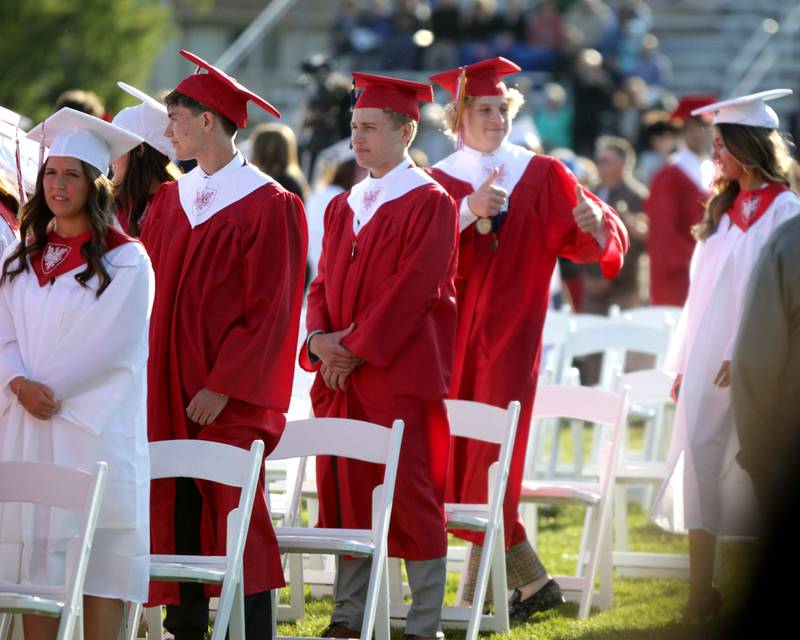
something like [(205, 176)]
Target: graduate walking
[(706, 492), (518, 211)]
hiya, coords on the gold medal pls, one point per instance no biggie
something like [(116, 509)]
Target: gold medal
[(484, 226)]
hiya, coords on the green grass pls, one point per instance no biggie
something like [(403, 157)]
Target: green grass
[(643, 609)]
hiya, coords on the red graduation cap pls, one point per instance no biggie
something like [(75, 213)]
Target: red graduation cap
[(222, 93), (483, 78), (398, 95), (687, 104)]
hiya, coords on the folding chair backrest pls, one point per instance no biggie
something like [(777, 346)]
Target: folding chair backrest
[(488, 423), (334, 437), (601, 407), (64, 488), (46, 484), (657, 316), (353, 439), (202, 459), (647, 386)]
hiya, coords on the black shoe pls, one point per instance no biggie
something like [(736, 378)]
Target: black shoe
[(546, 598), (338, 630)]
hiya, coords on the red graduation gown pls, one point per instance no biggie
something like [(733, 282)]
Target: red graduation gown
[(399, 291), (503, 297), (675, 204), (225, 316)]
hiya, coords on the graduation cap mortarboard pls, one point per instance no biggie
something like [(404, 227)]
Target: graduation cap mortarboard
[(220, 92), (382, 92), (74, 134), (750, 110), (484, 78), (147, 119)]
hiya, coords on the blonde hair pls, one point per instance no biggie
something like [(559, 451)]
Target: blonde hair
[(513, 99), (762, 151)]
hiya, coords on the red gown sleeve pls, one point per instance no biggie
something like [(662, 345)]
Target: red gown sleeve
[(256, 355), (402, 301), (558, 198), (317, 317)]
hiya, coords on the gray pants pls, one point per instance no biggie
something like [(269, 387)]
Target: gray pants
[(425, 577)]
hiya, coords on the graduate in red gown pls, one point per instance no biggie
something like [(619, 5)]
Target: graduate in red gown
[(678, 194), (518, 211), (381, 320), (228, 247)]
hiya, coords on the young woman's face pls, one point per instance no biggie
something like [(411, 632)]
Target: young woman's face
[(728, 167), (486, 123), (66, 187)]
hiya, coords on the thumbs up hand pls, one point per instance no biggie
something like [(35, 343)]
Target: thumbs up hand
[(588, 215), (487, 200)]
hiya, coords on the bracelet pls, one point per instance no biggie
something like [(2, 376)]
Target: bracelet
[(19, 387)]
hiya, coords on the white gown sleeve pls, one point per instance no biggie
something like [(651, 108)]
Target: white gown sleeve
[(97, 360), (10, 359)]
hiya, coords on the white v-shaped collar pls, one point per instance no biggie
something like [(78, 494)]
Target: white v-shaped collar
[(369, 195), (204, 195), (699, 170), (473, 166)]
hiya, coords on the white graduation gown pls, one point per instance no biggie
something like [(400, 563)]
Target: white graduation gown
[(92, 352), (705, 487)]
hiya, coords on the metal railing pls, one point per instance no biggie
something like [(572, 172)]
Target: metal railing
[(255, 32)]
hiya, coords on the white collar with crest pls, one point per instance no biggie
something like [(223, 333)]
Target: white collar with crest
[(366, 197), (203, 195), (473, 166)]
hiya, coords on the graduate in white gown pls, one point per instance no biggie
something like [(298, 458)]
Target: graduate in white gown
[(706, 492), (75, 301)]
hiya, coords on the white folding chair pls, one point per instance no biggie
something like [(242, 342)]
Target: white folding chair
[(359, 441), (484, 423), (57, 487), (651, 388), (610, 410), (655, 316), (225, 464)]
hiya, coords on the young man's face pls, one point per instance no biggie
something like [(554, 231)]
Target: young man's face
[(186, 131), (378, 143), (487, 122)]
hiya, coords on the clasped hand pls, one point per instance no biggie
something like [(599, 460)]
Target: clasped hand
[(36, 398), (337, 362)]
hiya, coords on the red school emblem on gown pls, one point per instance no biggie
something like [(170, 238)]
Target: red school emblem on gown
[(203, 198), (370, 198)]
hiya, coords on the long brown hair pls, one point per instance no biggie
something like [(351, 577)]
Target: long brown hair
[(275, 153), (35, 219), (758, 149), (145, 163)]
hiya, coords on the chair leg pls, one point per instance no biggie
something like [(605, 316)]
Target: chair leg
[(274, 597), (18, 632), (132, 620), (462, 581), (5, 625), (605, 563), (499, 584), (382, 624), (297, 599), (154, 619), (395, 581), (236, 621), (620, 517)]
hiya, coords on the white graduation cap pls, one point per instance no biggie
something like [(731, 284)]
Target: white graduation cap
[(73, 134), (148, 120), (19, 157), (751, 110)]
